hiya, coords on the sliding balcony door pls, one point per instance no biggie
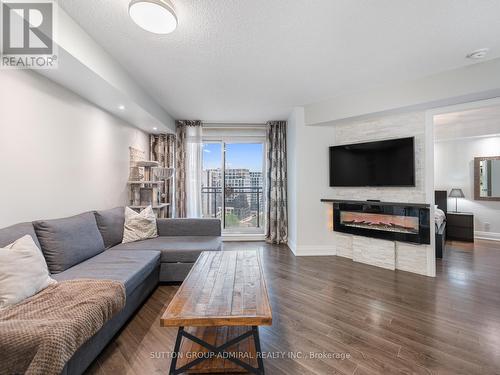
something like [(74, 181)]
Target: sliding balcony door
[(212, 181), (243, 187), (233, 185)]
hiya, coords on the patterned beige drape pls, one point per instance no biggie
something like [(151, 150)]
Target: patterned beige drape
[(180, 166), (277, 209), (162, 149)]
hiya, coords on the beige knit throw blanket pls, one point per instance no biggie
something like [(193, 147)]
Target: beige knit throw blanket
[(40, 334)]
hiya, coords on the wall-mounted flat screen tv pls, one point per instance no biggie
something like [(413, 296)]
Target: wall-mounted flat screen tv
[(381, 163)]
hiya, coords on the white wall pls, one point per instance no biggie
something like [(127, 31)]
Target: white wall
[(473, 82), (396, 126), (59, 154), (454, 168), (313, 219), (88, 70), (291, 139)]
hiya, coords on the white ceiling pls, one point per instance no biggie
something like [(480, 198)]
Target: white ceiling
[(478, 122), (253, 60)]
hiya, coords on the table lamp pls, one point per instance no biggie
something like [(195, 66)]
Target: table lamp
[(456, 193)]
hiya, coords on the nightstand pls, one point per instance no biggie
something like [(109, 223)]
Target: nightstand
[(460, 226)]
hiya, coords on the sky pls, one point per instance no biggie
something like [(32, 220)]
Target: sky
[(238, 156)]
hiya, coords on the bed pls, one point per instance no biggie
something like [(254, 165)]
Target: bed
[(441, 201)]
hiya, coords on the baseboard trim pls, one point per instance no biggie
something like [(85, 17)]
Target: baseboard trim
[(293, 248), (243, 237), (490, 236)]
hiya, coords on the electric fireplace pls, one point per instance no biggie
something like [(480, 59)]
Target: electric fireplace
[(384, 222), (404, 222)]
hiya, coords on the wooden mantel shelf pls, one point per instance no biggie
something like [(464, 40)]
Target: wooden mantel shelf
[(397, 204)]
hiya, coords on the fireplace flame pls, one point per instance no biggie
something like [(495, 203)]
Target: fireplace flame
[(393, 223)]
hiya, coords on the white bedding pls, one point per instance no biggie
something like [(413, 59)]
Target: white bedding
[(439, 217)]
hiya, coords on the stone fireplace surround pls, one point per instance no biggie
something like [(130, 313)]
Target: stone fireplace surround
[(403, 256), (389, 253)]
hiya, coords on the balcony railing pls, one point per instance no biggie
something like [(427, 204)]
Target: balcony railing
[(242, 202)]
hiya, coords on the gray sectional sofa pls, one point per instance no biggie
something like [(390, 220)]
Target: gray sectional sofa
[(89, 246)]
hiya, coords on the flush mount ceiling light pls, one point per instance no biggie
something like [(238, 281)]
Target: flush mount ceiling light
[(478, 54), (155, 16)]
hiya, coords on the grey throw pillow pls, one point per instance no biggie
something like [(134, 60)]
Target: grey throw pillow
[(110, 224), (14, 232), (69, 241)]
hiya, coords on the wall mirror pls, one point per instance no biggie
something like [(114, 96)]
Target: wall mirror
[(487, 178)]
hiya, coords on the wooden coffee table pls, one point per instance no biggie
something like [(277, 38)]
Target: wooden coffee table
[(223, 301)]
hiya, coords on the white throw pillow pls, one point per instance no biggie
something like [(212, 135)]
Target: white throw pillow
[(23, 271), (139, 226)]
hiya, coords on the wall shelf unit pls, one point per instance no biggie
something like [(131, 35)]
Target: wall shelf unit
[(145, 178)]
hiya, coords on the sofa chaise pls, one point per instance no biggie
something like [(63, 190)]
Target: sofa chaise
[(88, 246)]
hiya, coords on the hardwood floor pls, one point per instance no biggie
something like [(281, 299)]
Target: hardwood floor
[(377, 321)]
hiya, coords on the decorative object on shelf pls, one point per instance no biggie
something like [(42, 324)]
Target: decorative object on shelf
[(136, 155), (147, 196), (456, 193), (135, 173), (146, 180), (163, 173)]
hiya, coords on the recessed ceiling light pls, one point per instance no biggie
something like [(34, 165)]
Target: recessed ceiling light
[(121, 107), (478, 54), (155, 16)]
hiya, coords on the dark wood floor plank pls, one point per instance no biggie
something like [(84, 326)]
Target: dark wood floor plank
[(388, 322), (379, 334)]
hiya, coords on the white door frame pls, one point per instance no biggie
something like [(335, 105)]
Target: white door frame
[(430, 163)]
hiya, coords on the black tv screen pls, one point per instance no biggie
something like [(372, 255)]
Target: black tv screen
[(382, 163)]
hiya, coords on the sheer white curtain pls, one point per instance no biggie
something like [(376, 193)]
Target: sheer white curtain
[(194, 150)]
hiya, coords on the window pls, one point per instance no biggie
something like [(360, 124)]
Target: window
[(233, 183)]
